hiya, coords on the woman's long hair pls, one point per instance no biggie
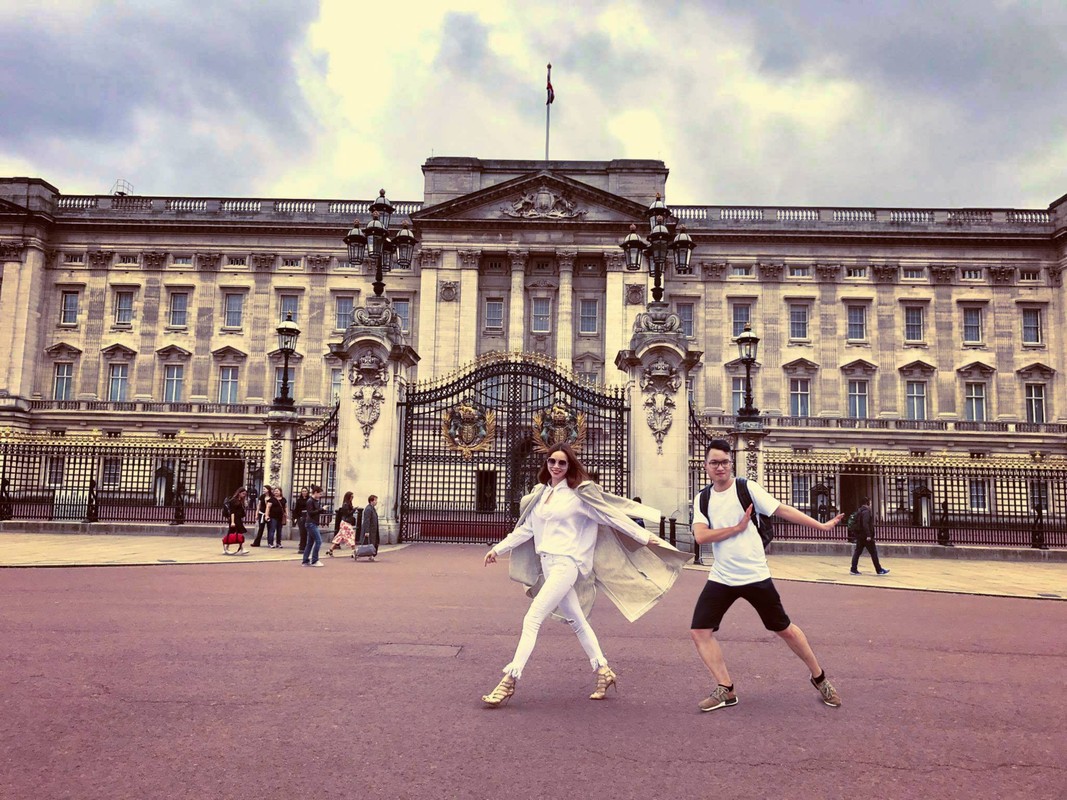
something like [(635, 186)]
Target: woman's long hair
[(576, 471), (347, 500), (237, 494)]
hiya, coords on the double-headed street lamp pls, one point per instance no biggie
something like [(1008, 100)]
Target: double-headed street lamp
[(659, 247), (377, 243), (288, 333), (747, 347)]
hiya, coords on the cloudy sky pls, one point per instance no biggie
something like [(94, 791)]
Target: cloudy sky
[(938, 103)]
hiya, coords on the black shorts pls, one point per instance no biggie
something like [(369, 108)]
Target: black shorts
[(716, 598)]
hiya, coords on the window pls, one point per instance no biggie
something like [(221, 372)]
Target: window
[(118, 378), (235, 302), (799, 271), (290, 262), (343, 306), (289, 304), (1035, 402), (63, 385), (237, 261), (972, 325), (591, 377), (589, 314), (68, 314), (1039, 495), (123, 308), (278, 372), (972, 274), (742, 316), (228, 385), (542, 312), (855, 272), (403, 310), (494, 314), (336, 377), (914, 323), (179, 309), (915, 399), (685, 314), (54, 469), (857, 399), (801, 492), (182, 261), (72, 258), (1032, 326), (914, 273), (173, 378), (111, 473), (737, 394), (799, 397), (741, 271), (857, 323), (1029, 275), (974, 402), (127, 259), (798, 321), (979, 491)]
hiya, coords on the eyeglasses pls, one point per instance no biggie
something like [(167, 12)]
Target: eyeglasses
[(554, 463), (715, 464)]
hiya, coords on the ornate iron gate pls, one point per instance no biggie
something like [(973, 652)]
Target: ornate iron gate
[(315, 461), (473, 444)]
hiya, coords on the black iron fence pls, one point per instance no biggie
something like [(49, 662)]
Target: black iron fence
[(102, 479)]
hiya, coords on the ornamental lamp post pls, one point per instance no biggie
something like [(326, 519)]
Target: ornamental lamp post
[(288, 333), (659, 247), (747, 347), (377, 243)]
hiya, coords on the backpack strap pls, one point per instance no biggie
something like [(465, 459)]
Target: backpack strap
[(705, 498), (743, 496)]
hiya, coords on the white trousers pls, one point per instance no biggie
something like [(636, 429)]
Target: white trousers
[(560, 573)]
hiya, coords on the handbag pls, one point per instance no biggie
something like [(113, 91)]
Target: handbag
[(364, 549), (233, 537)]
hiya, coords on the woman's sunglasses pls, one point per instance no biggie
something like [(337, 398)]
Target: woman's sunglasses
[(552, 462)]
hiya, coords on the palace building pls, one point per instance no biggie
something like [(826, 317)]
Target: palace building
[(891, 337)]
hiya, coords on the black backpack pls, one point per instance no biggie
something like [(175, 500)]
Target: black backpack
[(763, 522), (226, 510)]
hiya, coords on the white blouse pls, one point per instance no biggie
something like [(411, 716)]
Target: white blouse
[(562, 524)]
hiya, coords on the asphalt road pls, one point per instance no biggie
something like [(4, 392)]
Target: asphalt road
[(271, 680)]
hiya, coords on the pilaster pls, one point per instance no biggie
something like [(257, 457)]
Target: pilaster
[(517, 308), (565, 325)]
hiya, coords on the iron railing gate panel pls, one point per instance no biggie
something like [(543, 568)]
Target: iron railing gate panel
[(315, 462), (992, 501), (472, 445), (129, 479)]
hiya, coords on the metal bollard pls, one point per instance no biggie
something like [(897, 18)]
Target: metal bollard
[(674, 532)]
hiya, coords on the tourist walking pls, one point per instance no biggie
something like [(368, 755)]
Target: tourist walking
[(235, 527), (552, 549), (276, 517), (369, 526), (261, 514), (299, 503), (344, 525), (865, 538), (312, 510), (740, 571)]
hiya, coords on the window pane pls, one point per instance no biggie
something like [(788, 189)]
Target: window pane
[(979, 495), (974, 402), (799, 397), (234, 304), (737, 394), (111, 474), (685, 314), (972, 324), (588, 316), (857, 322), (798, 321), (1031, 326), (742, 316), (857, 399), (1035, 402), (63, 386), (179, 307), (403, 310), (343, 307), (494, 314), (69, 313), (278, 371), (916, 399), (173, 377), (913, 323), (228, 385), (288, 304), (123, 308), (336, 376), (118, 376), (542, 311)]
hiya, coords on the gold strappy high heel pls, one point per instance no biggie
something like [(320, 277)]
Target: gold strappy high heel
[(501, 694), (605, 677)]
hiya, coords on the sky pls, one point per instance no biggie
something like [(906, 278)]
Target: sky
[(876, 103)]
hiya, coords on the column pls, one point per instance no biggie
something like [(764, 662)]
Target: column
[(565, 325), (429, 268), (517, 307), (467, 299), (616, 321)]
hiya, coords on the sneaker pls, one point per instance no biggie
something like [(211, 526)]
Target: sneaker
[(883, 572), (318, 564), (854, 572), (305, 563), (244, 552), (253, 545), (828, 692), (720, 698)]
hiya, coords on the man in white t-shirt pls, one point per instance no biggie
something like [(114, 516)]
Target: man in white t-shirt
[(740, 571)]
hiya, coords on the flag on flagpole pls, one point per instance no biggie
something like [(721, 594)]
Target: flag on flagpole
[(551, 92)]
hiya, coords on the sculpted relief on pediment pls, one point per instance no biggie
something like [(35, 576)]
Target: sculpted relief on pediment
[(542, 203)]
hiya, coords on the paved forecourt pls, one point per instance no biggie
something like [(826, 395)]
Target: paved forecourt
[(260, 678)]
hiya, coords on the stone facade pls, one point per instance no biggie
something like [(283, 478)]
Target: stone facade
[(898, 329)]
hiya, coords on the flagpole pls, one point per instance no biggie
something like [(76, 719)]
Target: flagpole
[(548, 111)]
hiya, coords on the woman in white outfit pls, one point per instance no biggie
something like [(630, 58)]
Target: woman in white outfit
[(564, 530)]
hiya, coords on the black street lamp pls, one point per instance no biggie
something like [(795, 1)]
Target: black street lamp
[(659, 247), (747, 346), (288, 333), (376, 242)]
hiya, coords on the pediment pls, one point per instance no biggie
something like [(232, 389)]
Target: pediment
[(173, 352), (737, 365), (1035, 370), (277, 355), (228, 352), (800, 366), (976, 369), (917, 368), (540, 198), (859, 367), (63, 350), (118, 351), (7, 207)]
